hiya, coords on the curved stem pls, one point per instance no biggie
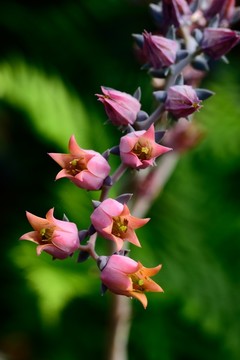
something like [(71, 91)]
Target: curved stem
[(147, 189), (151, 185), (118, 173), (115, 177), (90, 247)]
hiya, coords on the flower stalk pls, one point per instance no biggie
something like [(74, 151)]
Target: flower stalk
[(189, 38)]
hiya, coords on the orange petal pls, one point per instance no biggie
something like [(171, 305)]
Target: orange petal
[(141, 297), (151, 271)]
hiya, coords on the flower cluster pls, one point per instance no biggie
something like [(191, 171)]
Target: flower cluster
[(188, 38)]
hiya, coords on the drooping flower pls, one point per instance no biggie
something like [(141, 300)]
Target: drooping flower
[(159, 51), (56, 237), (120, 107), (124, 276), (139, 150), (217, 42), (113, 221), (85, 168), (182, 100)]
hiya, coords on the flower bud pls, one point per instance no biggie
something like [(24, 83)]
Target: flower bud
[(225, 9), (56, 237), (139, 150), (159, 51), (113, 221), (217, 42), (87, 169), (121, 108), (174, 12), (124, 276), (182, 100)]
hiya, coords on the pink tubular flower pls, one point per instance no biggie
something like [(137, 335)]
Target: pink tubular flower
[(113, 221), (56, 237), (85, 168), (158, 50), (121, 108), (124, 276), (139, 150), (182, 100), (218, 42)]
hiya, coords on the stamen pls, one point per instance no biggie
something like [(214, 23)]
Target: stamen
[(46, 234), (120, 226), (76, 166), (143, 151)]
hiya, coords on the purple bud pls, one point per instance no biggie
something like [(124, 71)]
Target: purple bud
[(218, 42), (175, 12), (159, 51), (121, 108), (182, 100), (225, 9)]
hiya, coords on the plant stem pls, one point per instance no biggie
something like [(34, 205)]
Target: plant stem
[(119, 328), (149, 188), (90, 247)]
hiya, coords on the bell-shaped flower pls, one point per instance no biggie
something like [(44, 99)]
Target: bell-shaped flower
[(120, 107), (216, 42), (139, 150), (158, 50), (56, 237), (124, 276), (113, 221), (182, 100), (85, 168)]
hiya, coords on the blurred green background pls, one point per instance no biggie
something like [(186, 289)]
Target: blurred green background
[(54, 56)]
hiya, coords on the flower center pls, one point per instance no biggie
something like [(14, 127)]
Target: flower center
[(46, 235), (76, 166), (120, 226), (143, 151), (137, 283), (195, 105)]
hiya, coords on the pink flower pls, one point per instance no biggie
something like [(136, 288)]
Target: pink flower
[(158, 50), (182, 100), (113, 221), (56, 237), (85, 168), (124, 276), (139, 150), (121, 108), (218, 42)]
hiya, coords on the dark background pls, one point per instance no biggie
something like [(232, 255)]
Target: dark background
[(54, 56)]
